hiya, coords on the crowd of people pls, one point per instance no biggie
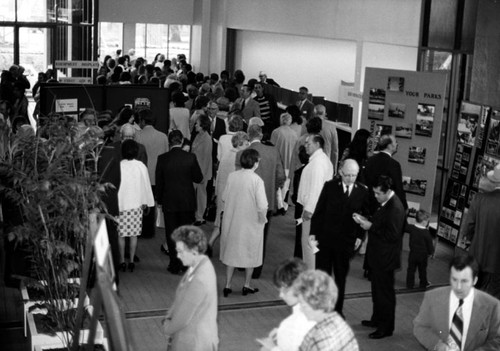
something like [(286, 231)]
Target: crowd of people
[(229, 148)]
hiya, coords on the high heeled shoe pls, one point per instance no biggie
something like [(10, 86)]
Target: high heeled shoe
[(131, 266), (123, 267), (246, 290), (226, 292)]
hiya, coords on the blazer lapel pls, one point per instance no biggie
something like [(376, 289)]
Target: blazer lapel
[(479, 313)]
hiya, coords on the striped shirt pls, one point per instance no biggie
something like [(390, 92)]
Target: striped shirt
[(264, 105)]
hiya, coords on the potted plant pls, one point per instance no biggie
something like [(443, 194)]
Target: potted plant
[(52, 178)]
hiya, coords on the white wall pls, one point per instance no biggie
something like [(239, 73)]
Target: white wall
[(293, 61), (147, 11)]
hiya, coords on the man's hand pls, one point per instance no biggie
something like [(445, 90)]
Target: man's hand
[(357, 244), (306, 215)]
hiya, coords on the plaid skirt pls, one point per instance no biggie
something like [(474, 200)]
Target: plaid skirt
[(130, 222)]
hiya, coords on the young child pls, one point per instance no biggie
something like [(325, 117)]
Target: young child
[(291, 331), (421, 247)]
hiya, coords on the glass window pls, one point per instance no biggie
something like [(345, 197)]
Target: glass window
[(7, 10), (32, 11), (179, 40), (140, 40), (169, 40), (110, 38), (6, 47)]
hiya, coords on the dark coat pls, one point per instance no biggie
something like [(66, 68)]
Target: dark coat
[(385, 236), (383, 164), (176, 171), (332, 221)]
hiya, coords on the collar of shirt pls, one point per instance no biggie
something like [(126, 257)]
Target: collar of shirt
[(315, 154), (349, 187), (420, 226), (466, 311), (255, 141), (386, 152)]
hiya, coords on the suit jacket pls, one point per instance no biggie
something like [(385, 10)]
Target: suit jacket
[(191, 321), (332, 221), (142, 155), (432, 321), (307, 109), (176, 171), (383, 251), (481, 226), (270, 170), (250, 110), (383, 164), (329, 133)]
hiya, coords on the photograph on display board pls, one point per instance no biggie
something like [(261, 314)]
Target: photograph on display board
[(404, 130), (376, 104), (414, 186), (467, 128), (453, 235), (425, 120), (382, 129), (396, 84), (413, 207), (444, 231), (484, 164), (493, 139), (397, 110), (416, 154)]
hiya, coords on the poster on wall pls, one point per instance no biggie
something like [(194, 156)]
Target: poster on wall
[(408, 105)]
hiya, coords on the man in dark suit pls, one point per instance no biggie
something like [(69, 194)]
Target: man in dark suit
[(435, 326), (306, 107), (383, 163), (272, 173), (333, 226), (176, 171), (383, 255)]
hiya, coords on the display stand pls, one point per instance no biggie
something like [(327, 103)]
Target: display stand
[(410, 106)]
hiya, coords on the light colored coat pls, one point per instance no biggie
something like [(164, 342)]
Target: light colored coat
[(432, 321), (191, 321)]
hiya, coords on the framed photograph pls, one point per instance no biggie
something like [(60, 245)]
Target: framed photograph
[(453, 235), (425, 120), (415, 186), (376, 104), (416, 154), (396, 84), (453, 203), (444, 231), (404, 130), (493, 138), (467, 128), (413, 207), (397, 110), (382, 129), (463, 190)]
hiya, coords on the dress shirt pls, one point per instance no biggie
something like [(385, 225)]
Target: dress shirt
[(390, 196), (318, 171), (466, 312)]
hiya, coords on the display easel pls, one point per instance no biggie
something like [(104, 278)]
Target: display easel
[(106, 299)]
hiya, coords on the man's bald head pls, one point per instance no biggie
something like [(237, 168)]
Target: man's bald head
[(127, 131)]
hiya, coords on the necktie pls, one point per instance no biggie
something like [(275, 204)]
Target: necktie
[(243, 105), (457, 327), (346, 192)]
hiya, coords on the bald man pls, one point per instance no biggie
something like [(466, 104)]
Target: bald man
[(333, 227)]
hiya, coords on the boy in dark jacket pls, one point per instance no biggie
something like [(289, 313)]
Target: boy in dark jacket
[(421, 247)]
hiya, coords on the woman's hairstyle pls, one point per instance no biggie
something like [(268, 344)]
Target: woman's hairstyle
[(358, 145), (130, 149), (317, 289), (249, 157), (288, 271), (193, 237), (285, 119), (235, 123), (239, 139), (204, 122)]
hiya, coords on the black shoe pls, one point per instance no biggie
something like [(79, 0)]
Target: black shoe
[(379, 334), (136, 259), (368, 323), (123, 267), (245, 291), (226, 292), (131, 266), (163, 249), (198, 223)]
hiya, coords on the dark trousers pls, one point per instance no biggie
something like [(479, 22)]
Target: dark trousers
[(337, 262), (417, 260), (174, 220), (384, 299), (258, 270), (297, 252), (149, 221)]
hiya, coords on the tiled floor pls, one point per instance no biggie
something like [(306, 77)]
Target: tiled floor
[(147, 292)]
